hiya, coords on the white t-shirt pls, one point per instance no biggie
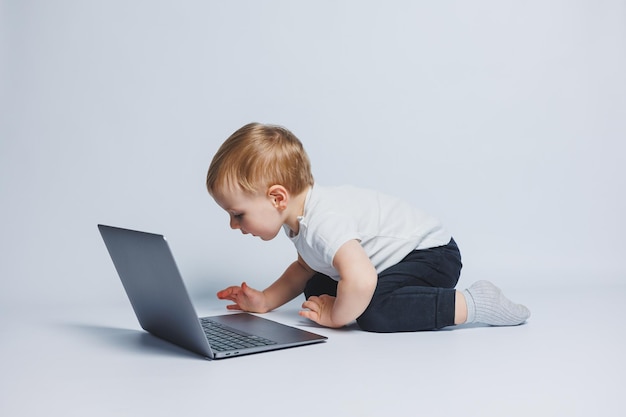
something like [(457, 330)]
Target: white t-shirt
[(387, 227)]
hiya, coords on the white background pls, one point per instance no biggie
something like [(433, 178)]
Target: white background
[(505, 119)]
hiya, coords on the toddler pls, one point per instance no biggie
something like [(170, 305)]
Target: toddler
[(362, 255)]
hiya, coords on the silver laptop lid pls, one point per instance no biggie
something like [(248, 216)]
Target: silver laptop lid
[(155, 287)]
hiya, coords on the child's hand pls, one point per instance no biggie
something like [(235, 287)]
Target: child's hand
[(245, 298), (319, 309)]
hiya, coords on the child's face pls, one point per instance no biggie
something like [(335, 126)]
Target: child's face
[(255, 214)]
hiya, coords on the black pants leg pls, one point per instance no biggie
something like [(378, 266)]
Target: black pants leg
[(415, 294)]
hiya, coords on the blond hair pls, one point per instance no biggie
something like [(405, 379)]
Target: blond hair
[(257, 156)]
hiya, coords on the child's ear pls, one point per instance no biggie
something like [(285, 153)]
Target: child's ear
[(279, 196)]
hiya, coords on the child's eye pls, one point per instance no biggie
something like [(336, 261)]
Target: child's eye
[(238, 216)]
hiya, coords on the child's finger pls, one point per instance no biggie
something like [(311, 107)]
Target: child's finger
[(248, 290), (311, 315), (311, 305), (228, 293)]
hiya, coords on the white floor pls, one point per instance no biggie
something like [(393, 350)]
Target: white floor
[(568, 360)]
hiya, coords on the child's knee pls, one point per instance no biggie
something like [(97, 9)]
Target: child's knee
[(320, 284), (372, 321)]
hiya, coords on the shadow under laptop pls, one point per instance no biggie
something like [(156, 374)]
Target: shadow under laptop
[(130, 340)]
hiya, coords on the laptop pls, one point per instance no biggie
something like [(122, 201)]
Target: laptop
[(162, 305)]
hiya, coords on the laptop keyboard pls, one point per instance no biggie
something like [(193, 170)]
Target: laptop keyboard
[(223, 338)]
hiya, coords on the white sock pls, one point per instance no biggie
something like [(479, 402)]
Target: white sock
[(486, 304)]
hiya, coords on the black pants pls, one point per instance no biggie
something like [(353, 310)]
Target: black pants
[(415, 294)]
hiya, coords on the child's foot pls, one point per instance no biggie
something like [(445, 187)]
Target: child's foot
[(486, 304)]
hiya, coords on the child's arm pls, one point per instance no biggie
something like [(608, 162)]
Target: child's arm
[(354, 290), (290, 284)]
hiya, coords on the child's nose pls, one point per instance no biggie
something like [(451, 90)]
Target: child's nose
[(234, 224)]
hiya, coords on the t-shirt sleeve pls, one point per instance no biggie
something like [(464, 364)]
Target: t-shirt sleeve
[(332, 233)]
